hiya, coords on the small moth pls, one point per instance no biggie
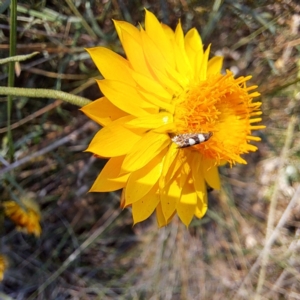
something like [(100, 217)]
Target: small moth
[(190, 139)]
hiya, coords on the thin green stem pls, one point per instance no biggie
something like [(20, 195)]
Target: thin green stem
[(11, 73), (44, 93)]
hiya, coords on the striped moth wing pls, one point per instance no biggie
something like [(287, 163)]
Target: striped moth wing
[(190, 139)]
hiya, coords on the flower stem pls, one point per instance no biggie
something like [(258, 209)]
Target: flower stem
[(17, 58), (11, 73), (44, 93)]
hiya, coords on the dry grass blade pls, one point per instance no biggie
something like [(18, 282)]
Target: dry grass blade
[(270, 241), (272, 210)]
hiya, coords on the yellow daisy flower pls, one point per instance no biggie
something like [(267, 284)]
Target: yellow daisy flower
[(169, 118), (27, 218), (3, 266)]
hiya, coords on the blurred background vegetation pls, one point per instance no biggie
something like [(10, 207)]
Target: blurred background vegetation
[(88, 248)]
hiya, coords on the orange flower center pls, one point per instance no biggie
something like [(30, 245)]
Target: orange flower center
[(222, 105)]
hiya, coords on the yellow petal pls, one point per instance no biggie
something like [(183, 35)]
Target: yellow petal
[(157, 101), (142, 209), (102, 111), (151, 86), (185, 172), (181, 79), (202, 74), (161, 221), (141, 181), (108, 62), (168, 82), (201, 207), (115, 139), (214, 65), (169, 198), (170, 219), (124, 96), (177, 166), (168, 162), (157, 34), (108, 180), (25, 214), (211, 174), (170, 34), (153, 55), (151, 121), (171, 193), (194, 48), (145, 150), (171, 127), (122, 26), (193, 42), (132, 44), (122, 198), (186, 206), (198, 177), (188, 195), (182, 62)]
